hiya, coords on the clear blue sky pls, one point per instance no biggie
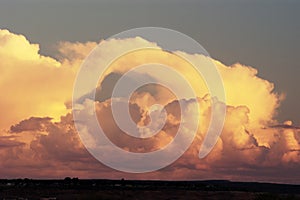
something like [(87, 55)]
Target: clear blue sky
[(263, 34)]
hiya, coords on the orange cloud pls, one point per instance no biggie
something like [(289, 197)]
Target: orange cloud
[(36, 89), (28, 81)]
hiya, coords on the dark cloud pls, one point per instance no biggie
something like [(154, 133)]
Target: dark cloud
[(9, 142), (60, 153), (31, 124), (285, 126)]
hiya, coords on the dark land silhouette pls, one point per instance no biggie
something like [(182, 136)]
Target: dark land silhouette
[(74, 188)]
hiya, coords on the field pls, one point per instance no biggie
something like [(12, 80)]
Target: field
[(130, 189)]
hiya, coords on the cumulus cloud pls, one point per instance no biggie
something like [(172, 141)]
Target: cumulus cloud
[(40, 139), (237, 155), (31, 84), (31, 124), (8, 142)]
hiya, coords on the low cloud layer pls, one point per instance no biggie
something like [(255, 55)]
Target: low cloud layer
[(38, 138)]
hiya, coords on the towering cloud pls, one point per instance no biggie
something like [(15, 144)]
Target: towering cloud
[(38, 137), (31, 84)]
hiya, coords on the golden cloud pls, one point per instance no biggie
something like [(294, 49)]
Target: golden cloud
[(36, 88)]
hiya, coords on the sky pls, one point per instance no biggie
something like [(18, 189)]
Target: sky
[(260, 34), (254, 44)]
